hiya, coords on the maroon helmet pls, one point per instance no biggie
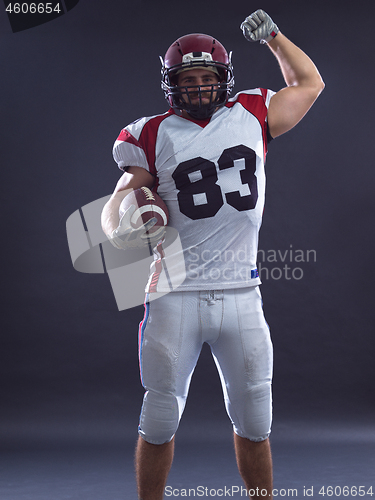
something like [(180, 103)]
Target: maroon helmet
[(197, 51)]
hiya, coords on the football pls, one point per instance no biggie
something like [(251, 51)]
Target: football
[(147, 205)]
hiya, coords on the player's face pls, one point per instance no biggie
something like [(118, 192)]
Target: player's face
[(203, 78)]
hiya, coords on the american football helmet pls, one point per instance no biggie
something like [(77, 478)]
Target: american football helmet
[(197, 51)]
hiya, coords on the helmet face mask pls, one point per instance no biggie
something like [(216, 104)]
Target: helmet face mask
[(197, 51), (182, 98)]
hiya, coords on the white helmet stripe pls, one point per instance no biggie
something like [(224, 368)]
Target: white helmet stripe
[(197, 56)]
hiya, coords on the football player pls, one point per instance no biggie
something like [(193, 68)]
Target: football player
[(205, 157)]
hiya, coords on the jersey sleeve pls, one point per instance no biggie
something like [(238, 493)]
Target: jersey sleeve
[(256, 101), (136, 144), (267, 93), (128, 151)]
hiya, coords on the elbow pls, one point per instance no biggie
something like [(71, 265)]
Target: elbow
[(319, 85), (316, 88), (314, 84)]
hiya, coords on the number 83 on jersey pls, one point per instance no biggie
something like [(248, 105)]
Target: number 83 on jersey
[(203, 189)]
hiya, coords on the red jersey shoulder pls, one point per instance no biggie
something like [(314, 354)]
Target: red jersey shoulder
[(142, 134), (137, 131), (255, 101)]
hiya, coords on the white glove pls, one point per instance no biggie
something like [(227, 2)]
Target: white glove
[(259, 26), (125, 236)]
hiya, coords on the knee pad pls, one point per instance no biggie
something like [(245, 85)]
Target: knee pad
[(252, 416), (159, 417)]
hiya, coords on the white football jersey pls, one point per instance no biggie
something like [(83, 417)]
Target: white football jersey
[(210, 173)]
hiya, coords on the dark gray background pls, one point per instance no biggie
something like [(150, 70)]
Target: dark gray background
[(69, 359)]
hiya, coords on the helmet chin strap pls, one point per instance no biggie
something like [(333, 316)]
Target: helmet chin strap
[(203, 112)]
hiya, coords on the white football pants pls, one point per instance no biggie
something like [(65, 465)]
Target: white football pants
[(171, 336)]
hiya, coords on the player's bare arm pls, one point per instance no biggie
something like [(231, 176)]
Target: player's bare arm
[(304, 83), (133, 178)]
